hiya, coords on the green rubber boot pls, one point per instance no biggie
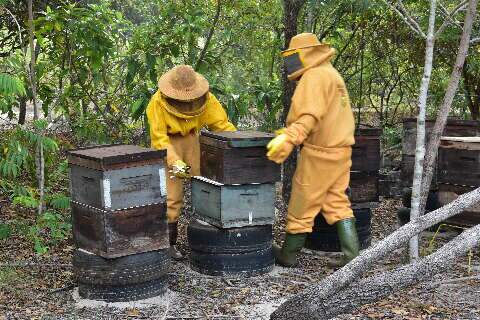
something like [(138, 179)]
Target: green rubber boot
[(347, 232), (287, 255)]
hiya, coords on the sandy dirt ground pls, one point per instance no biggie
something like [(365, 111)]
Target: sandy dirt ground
[(43, 287)]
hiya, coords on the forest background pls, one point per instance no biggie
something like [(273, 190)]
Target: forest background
[(96, 65)]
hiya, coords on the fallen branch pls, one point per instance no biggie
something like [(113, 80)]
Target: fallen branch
[(379, 286), (432, 285), (307, 304)]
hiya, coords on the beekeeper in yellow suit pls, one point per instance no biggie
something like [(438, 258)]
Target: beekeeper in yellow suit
[(321, 121), (177, 112)]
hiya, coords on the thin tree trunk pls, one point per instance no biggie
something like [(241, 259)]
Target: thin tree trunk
[(39, 156), (209, 37), (310, 16), (442, 116), (362, 59), (308, 304), (32, 76), (422, 110), (291, 9), (23, 110), (379, 286)]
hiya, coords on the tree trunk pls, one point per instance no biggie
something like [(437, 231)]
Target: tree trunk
[(362, 61), (23, 110), (379, 286), (309, 303), (209, 36), (442, 116), (291, 9), (422, 110), (31, 30), (39, 156)]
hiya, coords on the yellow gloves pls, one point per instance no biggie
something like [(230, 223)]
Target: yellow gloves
[(180, 169), (279, 148)]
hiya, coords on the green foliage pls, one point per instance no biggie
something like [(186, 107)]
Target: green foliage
[(8, 276), (19, 149), (12, 189), (15, 156), (26, 201), (5, 231), (56, 224), (45, 231), (11, 85), (17, 170), (392, 136), (59, 201), (98, 63)]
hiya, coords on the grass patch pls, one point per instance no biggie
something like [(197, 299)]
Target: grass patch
[(8, 276)]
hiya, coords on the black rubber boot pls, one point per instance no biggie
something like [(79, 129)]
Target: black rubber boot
[(173, 235), (287, 255)]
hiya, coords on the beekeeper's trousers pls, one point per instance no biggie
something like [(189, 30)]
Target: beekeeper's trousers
[(188, 149), (319, 185)]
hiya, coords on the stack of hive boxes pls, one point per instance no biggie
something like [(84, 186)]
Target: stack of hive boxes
[(453, 128), (459, 173), (363, 193), (119, 222), (234, 205)]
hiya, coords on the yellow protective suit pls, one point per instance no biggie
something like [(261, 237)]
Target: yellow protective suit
[(178, 131), (321, 120)]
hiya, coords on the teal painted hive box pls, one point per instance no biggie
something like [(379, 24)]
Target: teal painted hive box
[(233, 206)]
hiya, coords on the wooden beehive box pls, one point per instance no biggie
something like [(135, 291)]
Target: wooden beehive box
[(453, 128), (459, 161), (363, 187), (366, 150), (112, 234), (231, 206), (237, 157), (117, 176), (448, 193), (459, 173)]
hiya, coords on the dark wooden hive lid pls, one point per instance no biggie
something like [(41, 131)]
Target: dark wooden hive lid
[(368, 131), (462, 143), (241, 139), (107, 157), (450, 122)]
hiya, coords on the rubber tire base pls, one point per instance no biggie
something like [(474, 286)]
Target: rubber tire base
[(236, 265), (133, 269), (204, 237), (133, 292)]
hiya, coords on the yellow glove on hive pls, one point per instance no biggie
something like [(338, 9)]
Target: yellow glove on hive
[(279, 148), (180, 169)]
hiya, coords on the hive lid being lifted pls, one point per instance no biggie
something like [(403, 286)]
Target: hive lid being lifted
[(109, 157), (238, 139)]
